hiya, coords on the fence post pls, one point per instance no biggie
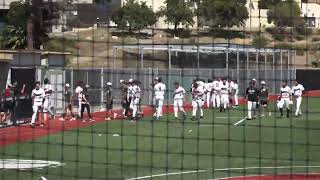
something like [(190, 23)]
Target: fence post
[(102, 86), (227, 58), (141, 51), (238, 64)]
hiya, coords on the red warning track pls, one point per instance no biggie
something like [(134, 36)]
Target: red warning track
[(277, 177), (13, 135)]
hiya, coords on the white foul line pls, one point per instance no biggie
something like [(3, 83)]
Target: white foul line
[(224, 169), (239, 122), (167, 174)]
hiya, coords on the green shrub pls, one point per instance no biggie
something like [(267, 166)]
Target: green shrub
[(60, 44), (260, 42)]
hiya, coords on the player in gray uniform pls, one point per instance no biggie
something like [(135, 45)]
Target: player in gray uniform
[(264, 98)]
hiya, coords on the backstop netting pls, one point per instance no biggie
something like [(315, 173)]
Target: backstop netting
[(175, 89)]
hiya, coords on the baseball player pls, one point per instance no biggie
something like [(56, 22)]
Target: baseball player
[(67, 103), (47, 107), (252, 94), (224, 94), (78, 91), (286, 99), (159, 91), (130, 97), (208, 90), (85, 104), (136, 95), (38, 96), (236, 93), (297, 91), (179, 96), (216, 88), (124, 100), (264, 98), (197, 100), (109, 102)]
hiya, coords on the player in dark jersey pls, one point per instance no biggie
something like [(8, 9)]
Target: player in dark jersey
[(67, 103), (252, 94), (109, 102), (264, 98)]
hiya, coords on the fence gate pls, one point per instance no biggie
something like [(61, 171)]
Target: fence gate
[(57, 80)]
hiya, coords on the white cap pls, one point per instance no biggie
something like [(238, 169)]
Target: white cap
[(130, 80), (109, 84), (67, 85), (254, 79), (263, 83), (121, 81), (87, 86)]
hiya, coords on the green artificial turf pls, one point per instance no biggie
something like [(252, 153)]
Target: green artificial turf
[(149, 147)]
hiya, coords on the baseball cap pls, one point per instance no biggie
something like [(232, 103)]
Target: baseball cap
[(67, 85), (130, 80), (263, 83), (109, 84)]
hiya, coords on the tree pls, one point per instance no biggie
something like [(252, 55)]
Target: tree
[(284, 14), (265, 4), (38, 14), (14, 38), (177, 12), (226, 13), (134, 15)]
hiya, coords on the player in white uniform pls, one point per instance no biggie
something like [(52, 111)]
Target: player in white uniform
[(224, 93), (236, 93), (136, 95), (285, 93), (38, 96), (78, 91), (197, 101), (159, 91), (231, 93), (47, 87), (130, 94), (215, 98), (178, 99), (208, 90), (297, 90)]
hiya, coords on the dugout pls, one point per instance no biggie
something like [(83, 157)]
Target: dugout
[(27, 67)]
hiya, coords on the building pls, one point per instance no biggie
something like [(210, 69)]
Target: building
[(258, 17)]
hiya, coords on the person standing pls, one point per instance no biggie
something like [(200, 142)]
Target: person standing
[(67, 103), (224, 94), (159, 92), (136, 100), (216, 88), (85, 104), (47, 107), (264, 98), (79, 91), (178, 98), (130, 97), (236, 93), (109, 102), (252, 97), (208, 89), (37, 96), (297, 93), (12, 100), (197, 100), (286, 99), (124, 101), (3, 110)]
